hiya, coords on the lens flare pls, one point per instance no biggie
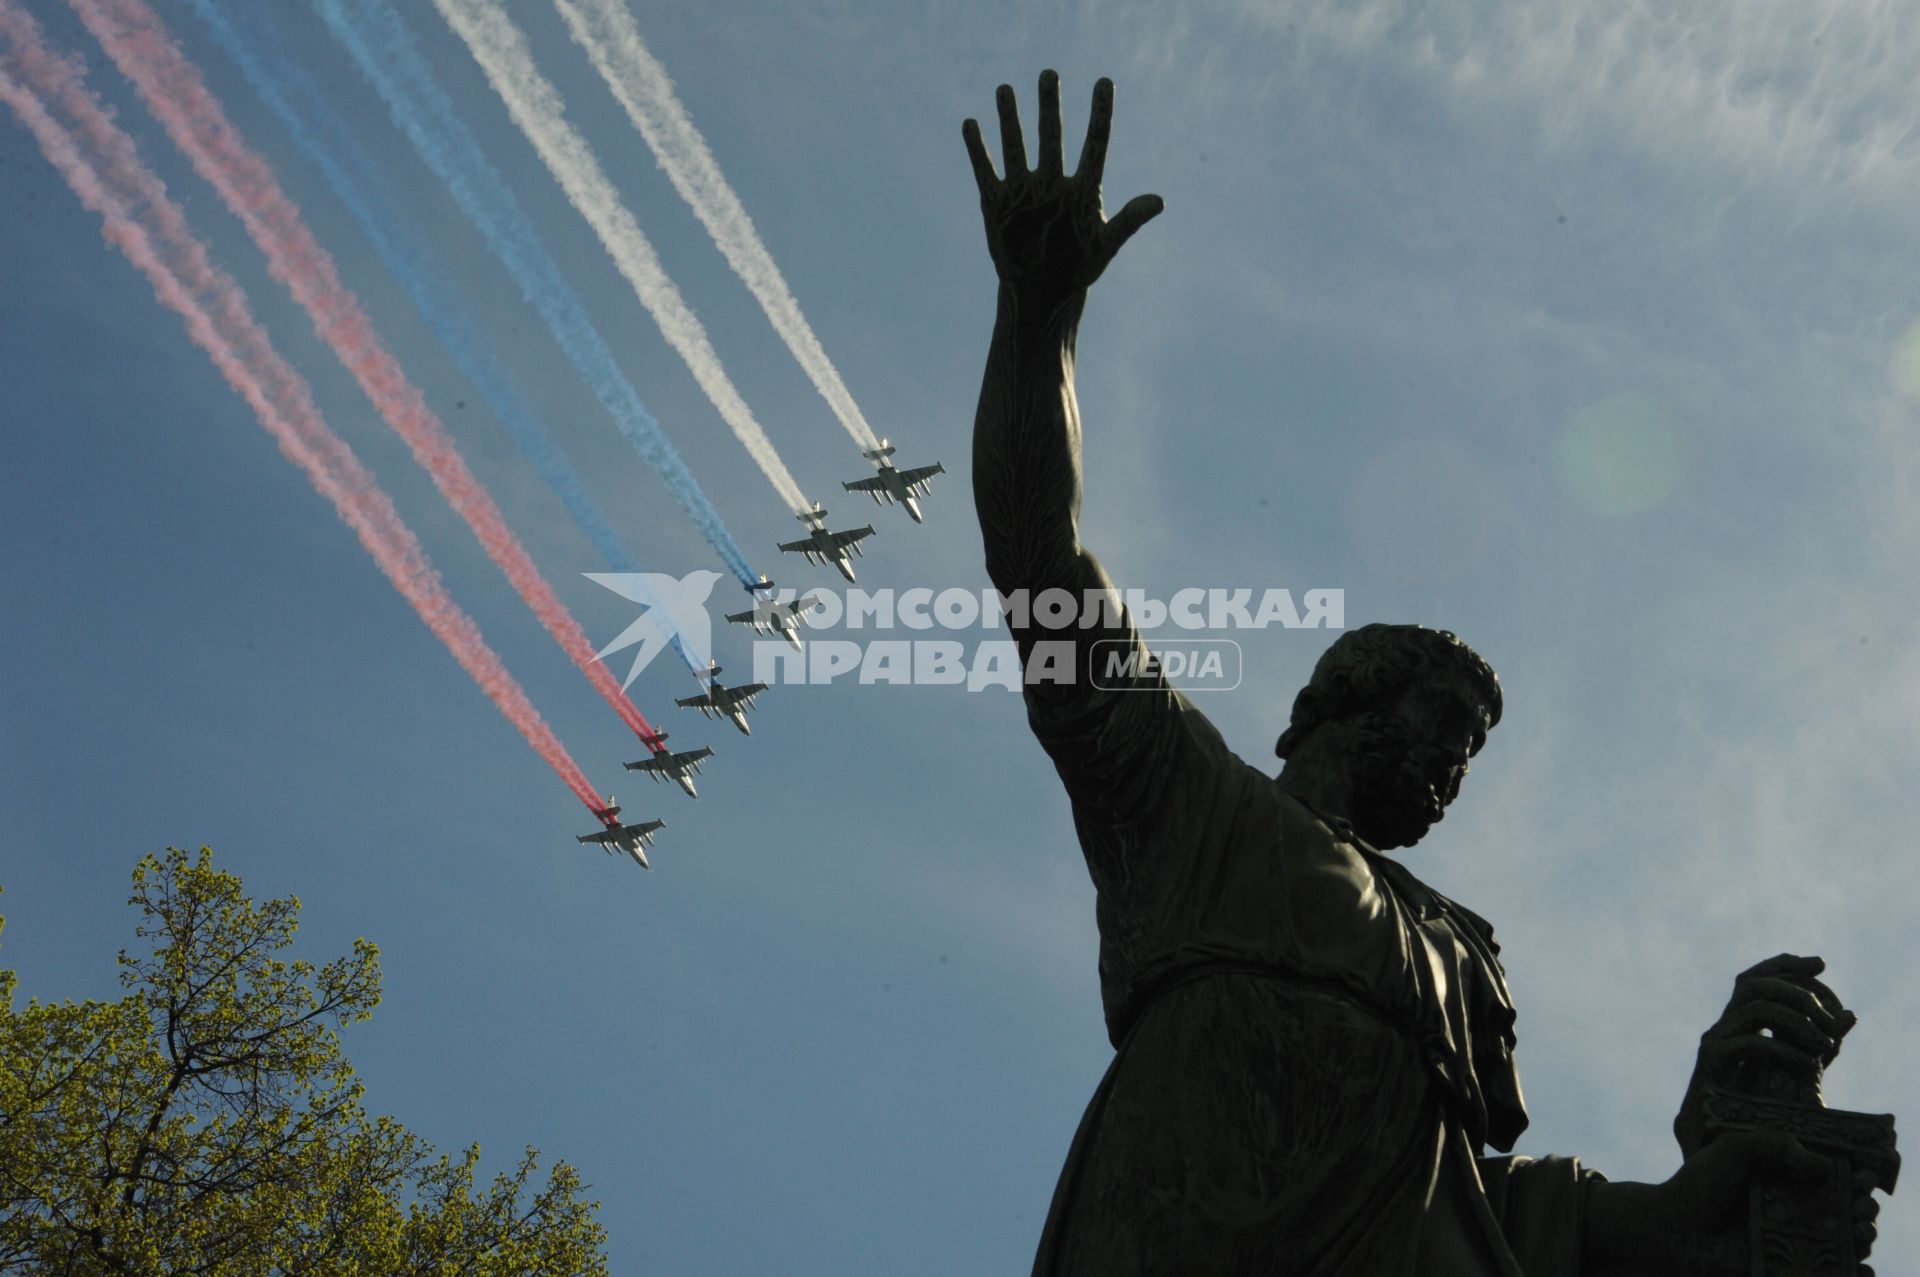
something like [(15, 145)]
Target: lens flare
[(1621, 455)]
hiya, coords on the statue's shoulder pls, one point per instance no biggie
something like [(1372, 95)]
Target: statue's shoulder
[(1474, 928), (1481, 927)]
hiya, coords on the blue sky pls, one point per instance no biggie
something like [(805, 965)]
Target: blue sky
[(1578, 331)]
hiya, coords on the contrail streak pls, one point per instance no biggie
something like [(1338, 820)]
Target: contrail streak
[(606, 31), (537, 108), (382, 45), (251, 38), (173, 91), (98, 161)]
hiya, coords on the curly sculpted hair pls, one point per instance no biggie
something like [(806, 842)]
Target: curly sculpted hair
[(1372, 667)]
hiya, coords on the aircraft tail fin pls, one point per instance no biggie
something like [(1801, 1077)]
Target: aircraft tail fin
[(879, 454)]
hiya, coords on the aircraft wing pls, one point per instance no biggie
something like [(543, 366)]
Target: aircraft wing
[(741, 695), (603, 837), (921, 475), (695, 702), (873, 483), (647, 826), (798, 545), (668, 762), (847, 538), (762, 617)]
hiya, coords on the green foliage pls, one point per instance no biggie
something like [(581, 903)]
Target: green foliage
[(208, 1123)]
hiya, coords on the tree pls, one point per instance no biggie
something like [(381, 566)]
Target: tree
[(208, 1123)]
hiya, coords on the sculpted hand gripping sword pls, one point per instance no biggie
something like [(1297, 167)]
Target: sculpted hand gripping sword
[(1800, 1229)]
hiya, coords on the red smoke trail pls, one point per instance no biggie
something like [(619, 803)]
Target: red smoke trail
[(171, 86), (145, 224)]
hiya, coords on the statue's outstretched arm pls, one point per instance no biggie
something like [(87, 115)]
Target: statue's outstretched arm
[(1118, 748), (1050, 240)]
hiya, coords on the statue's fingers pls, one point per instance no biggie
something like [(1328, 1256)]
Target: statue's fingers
[(1796, 995), (1828, 999), (1776, 1150), (1787, 1024), (1050, 156), (1093, 156), (1140, 210), (1798, 1160), (983, 174), (1013, 147), (1786, 964), (1718, 1053)]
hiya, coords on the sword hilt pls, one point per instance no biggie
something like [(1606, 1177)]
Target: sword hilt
[(1797, 1228)]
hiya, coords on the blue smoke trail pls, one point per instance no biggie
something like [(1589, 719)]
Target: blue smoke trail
[(325, 138), (383, 47)]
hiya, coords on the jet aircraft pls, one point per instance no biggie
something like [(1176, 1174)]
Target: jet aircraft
[(632, 839), (823, 546), (891, 485), (731, 703), (680, 767), (769, 616)]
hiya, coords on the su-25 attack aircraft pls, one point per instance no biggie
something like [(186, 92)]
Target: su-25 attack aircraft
[(823, 546), (767, 616), (632, 839), (679, 768), (891, 485), (729, 702)]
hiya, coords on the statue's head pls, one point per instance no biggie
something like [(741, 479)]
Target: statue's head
[(1389, 720)]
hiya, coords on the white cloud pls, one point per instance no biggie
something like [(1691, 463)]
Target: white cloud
[(1809, 96)]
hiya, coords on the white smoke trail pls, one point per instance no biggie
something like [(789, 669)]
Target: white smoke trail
[(536, 106), (606, 31)]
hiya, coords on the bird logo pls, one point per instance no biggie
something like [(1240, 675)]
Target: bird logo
[(674, 614)]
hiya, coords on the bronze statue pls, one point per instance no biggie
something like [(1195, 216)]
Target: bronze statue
[(1313, 1048)]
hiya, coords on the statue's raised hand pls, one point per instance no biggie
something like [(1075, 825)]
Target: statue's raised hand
[(1046, 230)]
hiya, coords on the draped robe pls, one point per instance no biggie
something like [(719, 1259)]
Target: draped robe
[(1313, 1049)]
